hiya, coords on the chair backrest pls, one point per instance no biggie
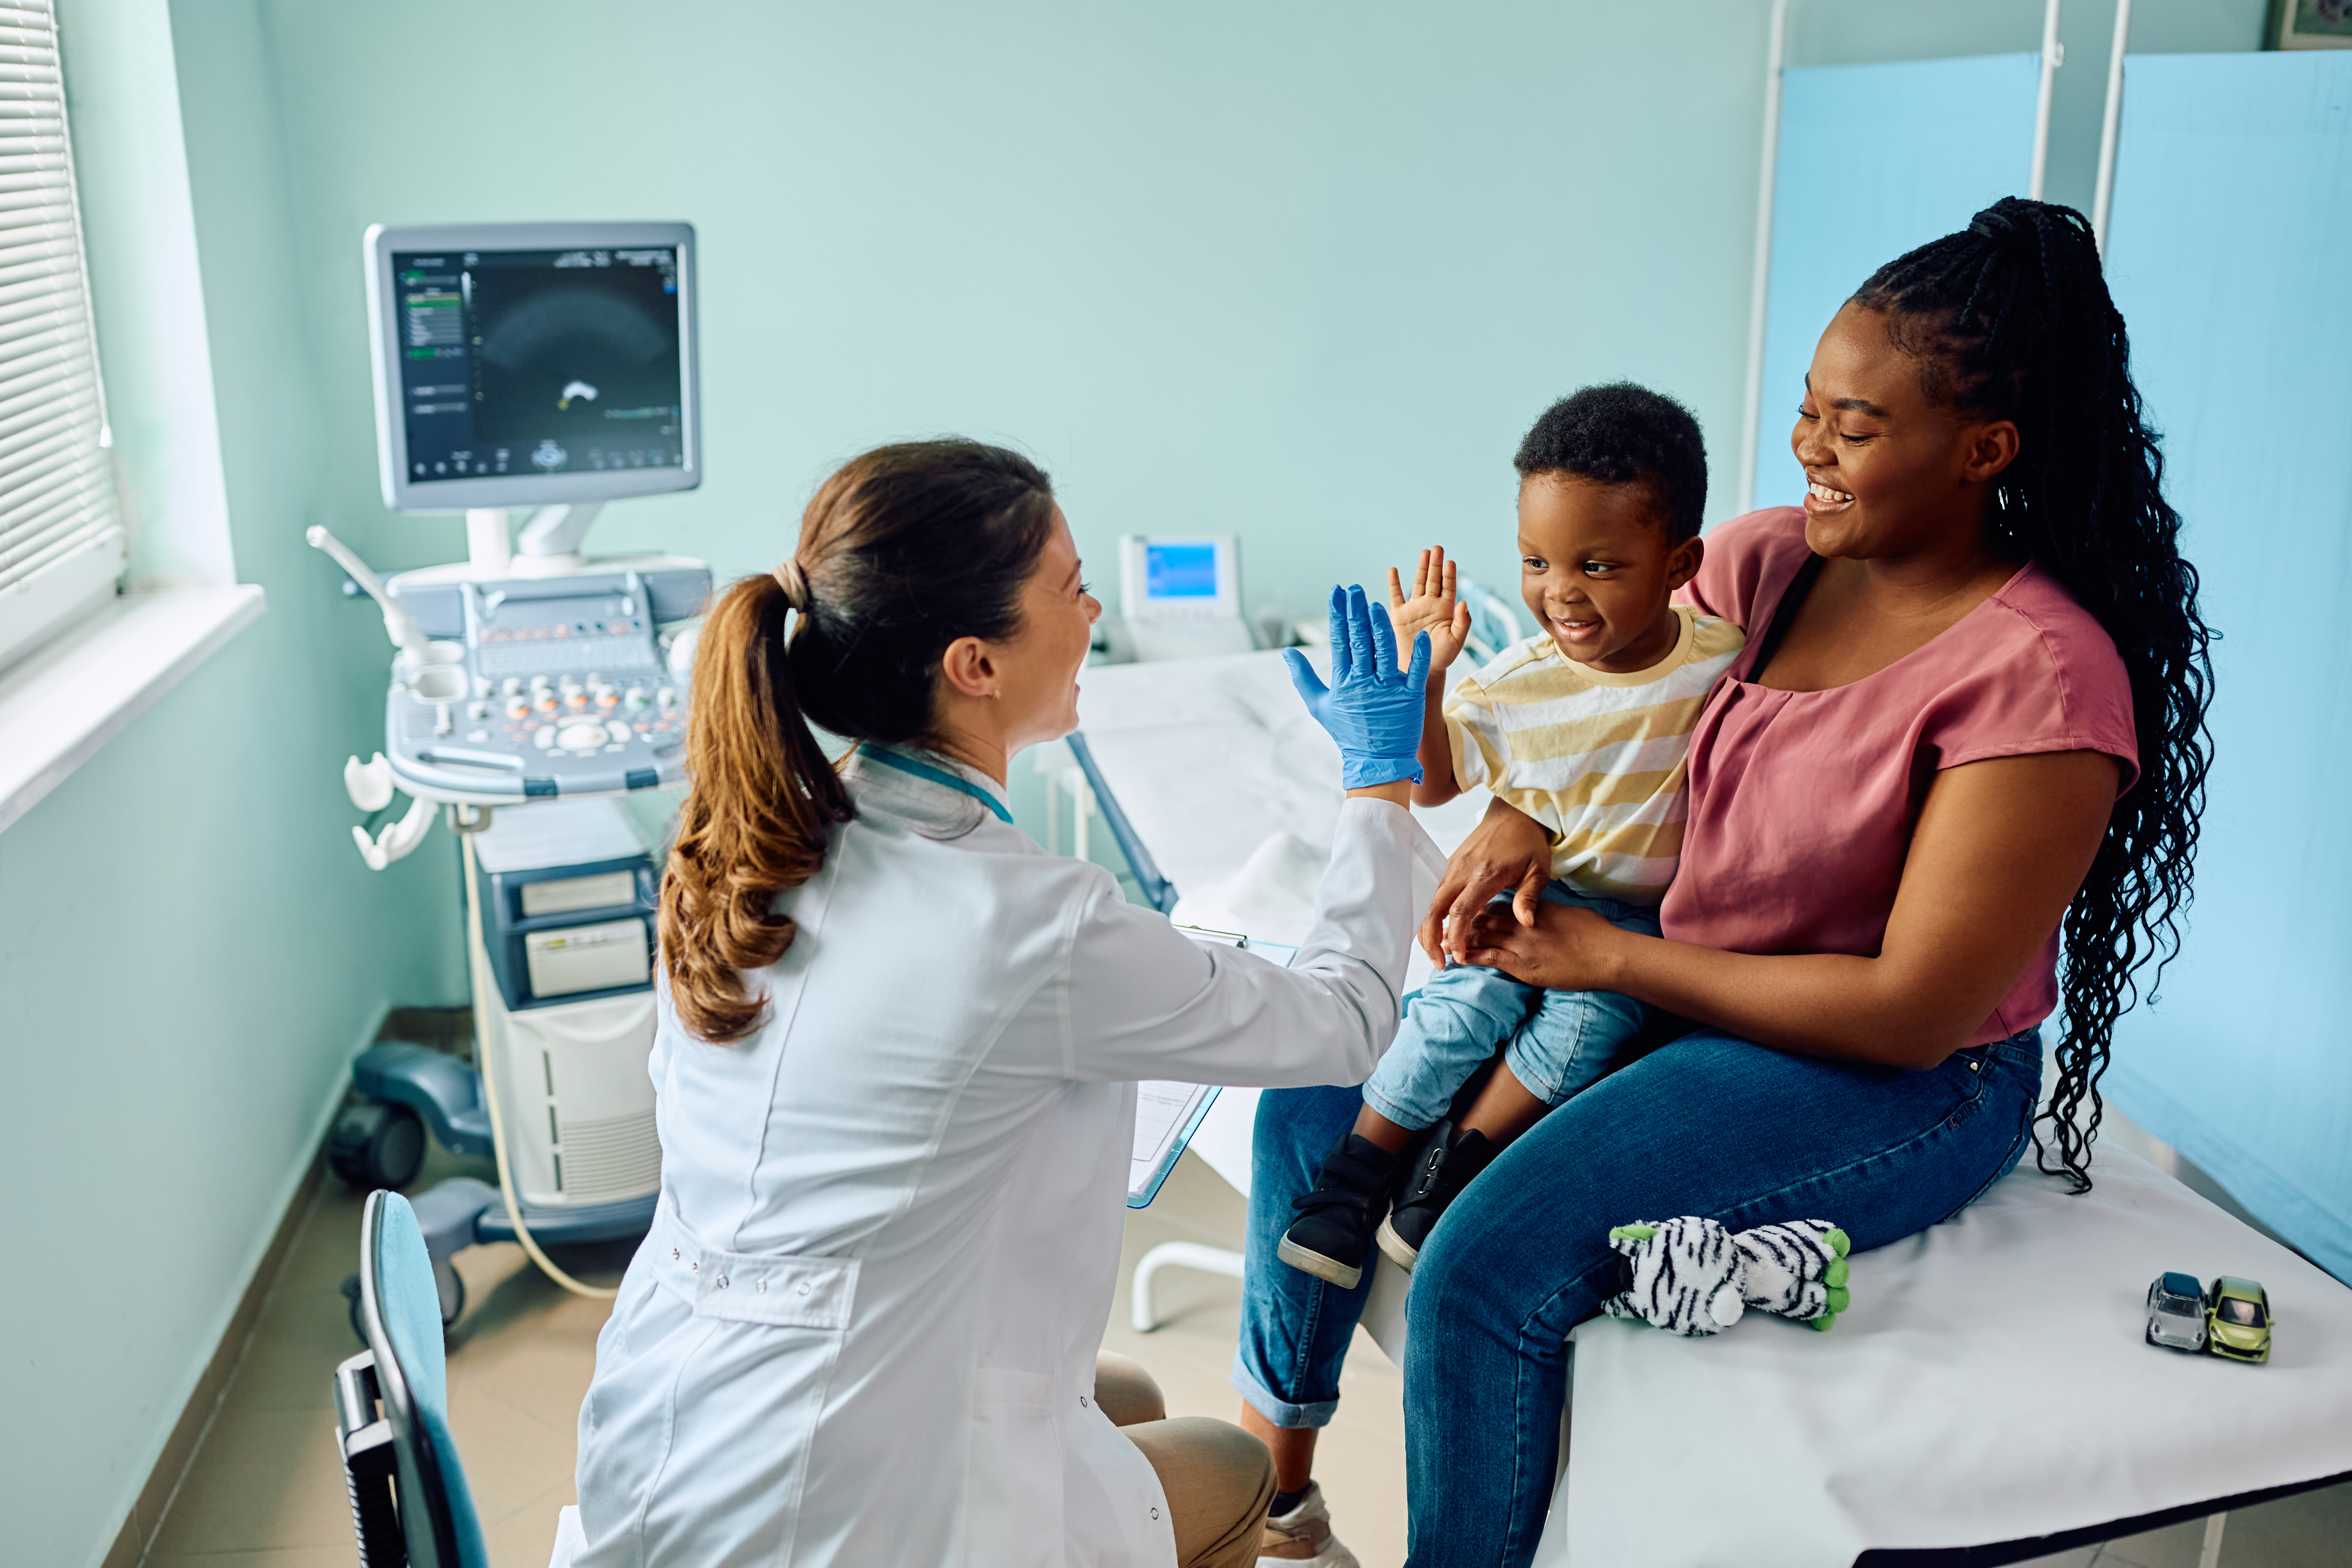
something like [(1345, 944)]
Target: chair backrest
[(404, 1372)]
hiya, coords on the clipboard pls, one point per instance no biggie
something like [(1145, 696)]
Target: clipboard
[(1168, 1113), (1166, 1117)]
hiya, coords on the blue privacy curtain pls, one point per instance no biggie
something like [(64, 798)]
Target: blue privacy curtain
[(1874, 160), (2230, 256)]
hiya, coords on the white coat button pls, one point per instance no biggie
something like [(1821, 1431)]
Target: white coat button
[(694, 1267), (673, 1255), (1972, 1066), (763, 1287), (802, 1287), (1155, 1514), (722, 1283)]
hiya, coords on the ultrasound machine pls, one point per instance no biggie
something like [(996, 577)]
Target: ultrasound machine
[(549, 367)]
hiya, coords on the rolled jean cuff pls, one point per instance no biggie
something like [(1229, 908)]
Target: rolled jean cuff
[(1403, 1116), (1280, 1412), (1535, 1076)]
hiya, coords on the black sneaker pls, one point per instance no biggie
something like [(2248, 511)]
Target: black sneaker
[(1332, 1236), (1438, 1177)]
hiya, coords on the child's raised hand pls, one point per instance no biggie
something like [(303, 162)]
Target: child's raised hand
[(1433, 608)]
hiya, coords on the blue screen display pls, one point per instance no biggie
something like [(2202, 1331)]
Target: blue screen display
[(1179, 571)]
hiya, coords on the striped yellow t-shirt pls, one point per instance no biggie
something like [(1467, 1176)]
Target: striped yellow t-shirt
[(1602, 760)]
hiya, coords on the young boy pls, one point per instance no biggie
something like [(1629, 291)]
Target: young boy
[(1585, 727)]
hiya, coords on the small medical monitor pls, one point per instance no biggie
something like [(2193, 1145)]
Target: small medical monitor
[(527, 365), (1180, 570), (1179, 577)]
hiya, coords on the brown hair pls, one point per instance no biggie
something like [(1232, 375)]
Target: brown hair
[(901, 552)]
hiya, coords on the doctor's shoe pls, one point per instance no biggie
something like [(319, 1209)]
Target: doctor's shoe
[(1302, 1538), (1332, 1236), (1438, 1177)]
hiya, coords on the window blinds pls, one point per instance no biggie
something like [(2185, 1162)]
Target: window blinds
[(57, 491)]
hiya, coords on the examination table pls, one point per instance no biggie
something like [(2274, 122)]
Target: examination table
[(1987, 1399)]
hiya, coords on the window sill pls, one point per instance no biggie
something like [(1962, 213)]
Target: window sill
[(59, 705)]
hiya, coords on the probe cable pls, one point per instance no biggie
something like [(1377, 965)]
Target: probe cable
[(484, 1049)]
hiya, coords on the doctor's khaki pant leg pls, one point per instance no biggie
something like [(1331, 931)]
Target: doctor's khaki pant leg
[(1219, 1479)]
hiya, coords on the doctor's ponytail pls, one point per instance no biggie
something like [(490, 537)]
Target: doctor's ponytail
[(903, 551), (764, 800)]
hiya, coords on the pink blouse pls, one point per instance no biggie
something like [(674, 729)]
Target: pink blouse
[(1802, 802)]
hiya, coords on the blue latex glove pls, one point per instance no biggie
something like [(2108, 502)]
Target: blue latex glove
[(1372, 711)]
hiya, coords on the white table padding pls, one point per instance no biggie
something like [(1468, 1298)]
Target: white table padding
[(1210, 758), (1236, 791), (1989, 1384)]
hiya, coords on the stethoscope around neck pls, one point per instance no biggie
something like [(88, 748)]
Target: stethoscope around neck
[(915, 767)]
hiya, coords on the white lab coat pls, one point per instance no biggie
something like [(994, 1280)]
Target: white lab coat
[(863, 1329)]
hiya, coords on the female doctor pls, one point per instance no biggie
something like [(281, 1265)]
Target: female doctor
[(897, 1061)]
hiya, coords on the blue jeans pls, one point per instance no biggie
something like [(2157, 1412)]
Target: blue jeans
[(1554, 1042), (1708, 1125)]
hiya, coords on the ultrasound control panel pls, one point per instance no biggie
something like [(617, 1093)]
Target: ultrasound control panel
[(543, 686)]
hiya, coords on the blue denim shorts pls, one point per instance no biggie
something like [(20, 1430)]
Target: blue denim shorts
[(1556, 1042)]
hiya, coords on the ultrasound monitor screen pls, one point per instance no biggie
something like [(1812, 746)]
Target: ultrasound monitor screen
[(527, 363)]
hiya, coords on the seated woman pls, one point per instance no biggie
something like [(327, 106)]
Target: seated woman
[(1972, 708)]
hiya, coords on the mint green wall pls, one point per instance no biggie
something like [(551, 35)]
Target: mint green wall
[(1302, 272), (190, 950)]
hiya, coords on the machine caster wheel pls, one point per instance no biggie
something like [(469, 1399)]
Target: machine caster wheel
[(452, 1285), (376, 1145), (447, 1281)]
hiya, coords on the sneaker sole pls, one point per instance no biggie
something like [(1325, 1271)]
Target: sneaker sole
[(1400, 1253), (1333, 1555), (1344, 1276)]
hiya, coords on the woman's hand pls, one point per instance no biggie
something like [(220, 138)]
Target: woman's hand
[(1433, 608), (1509, 851), (1567, 948)]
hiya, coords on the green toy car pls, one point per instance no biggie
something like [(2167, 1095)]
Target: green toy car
[(2238, 1319)]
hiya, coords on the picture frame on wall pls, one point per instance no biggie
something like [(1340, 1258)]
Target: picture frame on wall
[(2310, 25)]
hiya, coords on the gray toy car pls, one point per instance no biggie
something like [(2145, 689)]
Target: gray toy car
[(2175, 1312)]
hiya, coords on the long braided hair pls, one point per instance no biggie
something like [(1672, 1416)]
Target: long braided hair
[(2010, 319)]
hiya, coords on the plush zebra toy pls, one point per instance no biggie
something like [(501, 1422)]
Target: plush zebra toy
[(1692, 1277)]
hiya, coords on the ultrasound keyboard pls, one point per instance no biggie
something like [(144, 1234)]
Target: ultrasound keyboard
[(546, 685)]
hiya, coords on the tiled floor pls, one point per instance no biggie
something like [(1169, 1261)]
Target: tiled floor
[(265, 1490)]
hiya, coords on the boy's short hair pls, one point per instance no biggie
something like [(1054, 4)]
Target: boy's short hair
[(1622, 433)]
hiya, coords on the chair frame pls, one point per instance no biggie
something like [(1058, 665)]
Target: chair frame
[(364, 1440)]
